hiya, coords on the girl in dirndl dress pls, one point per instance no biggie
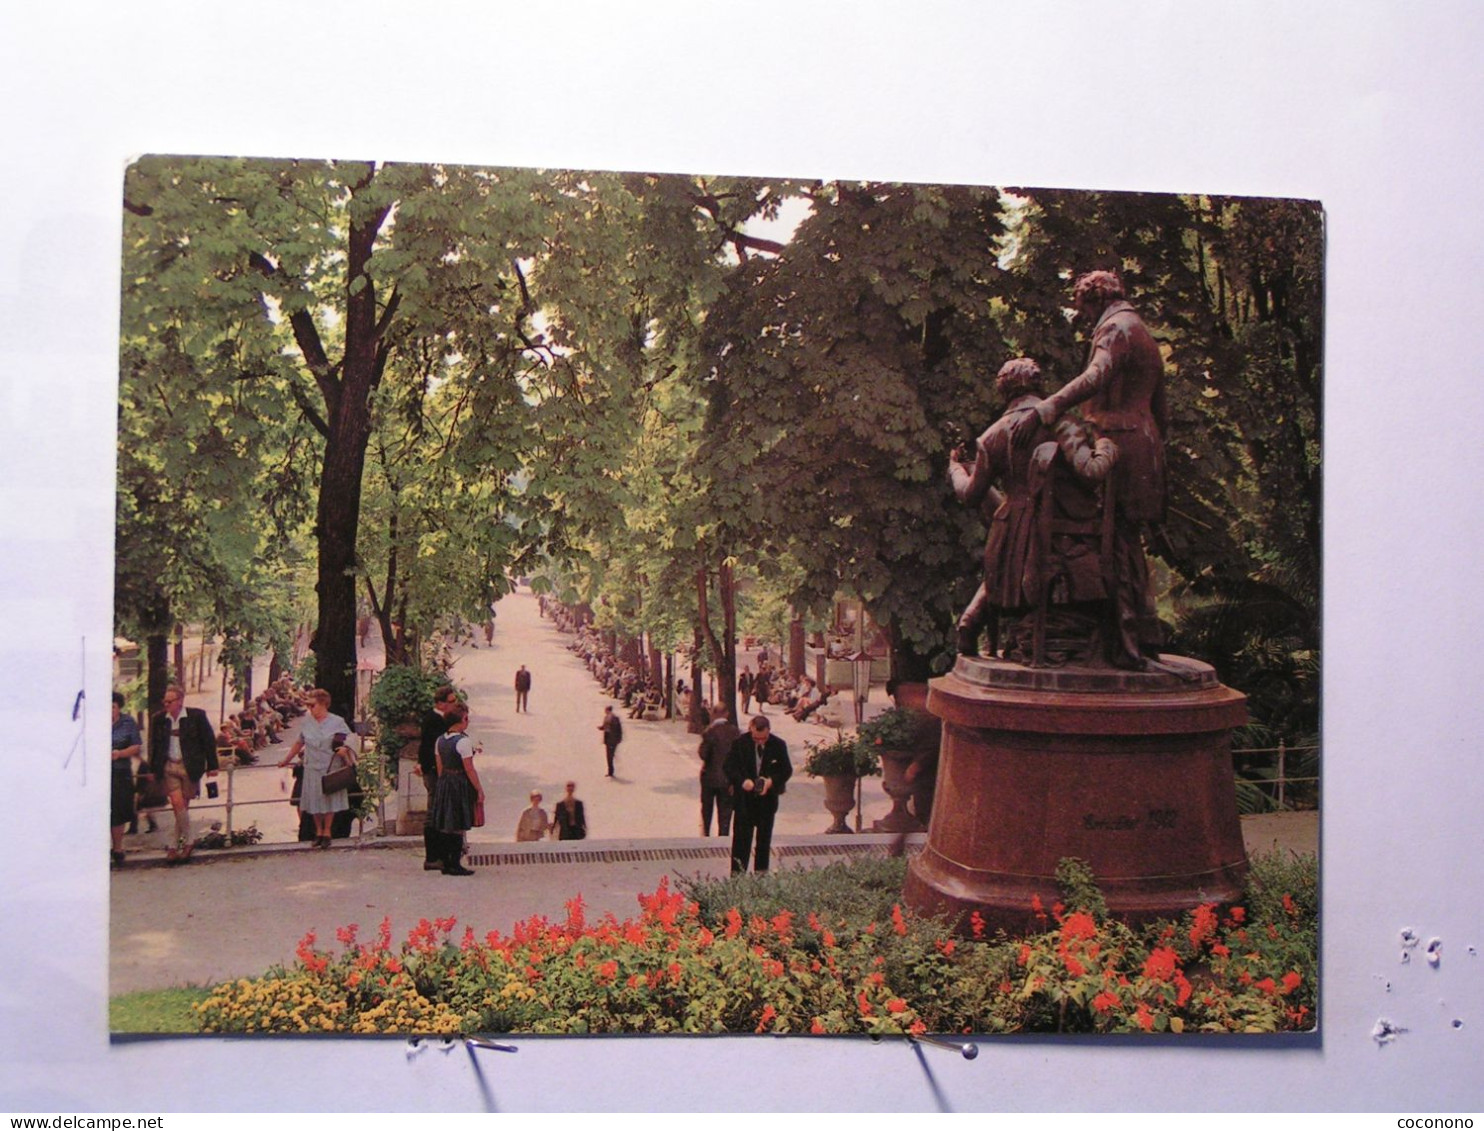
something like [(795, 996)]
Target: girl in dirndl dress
[(457, 793)]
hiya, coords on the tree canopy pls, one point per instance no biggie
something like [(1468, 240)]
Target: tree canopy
[(417, 381)]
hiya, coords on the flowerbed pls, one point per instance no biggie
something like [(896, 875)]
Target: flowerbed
[(1244, 968)]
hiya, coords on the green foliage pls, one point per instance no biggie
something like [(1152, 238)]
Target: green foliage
[(847, 757), (240, 838), (402, 694), (897, 728), (1079, 887), (865, 888)]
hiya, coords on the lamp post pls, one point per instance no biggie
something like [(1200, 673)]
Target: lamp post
[(860, 674)]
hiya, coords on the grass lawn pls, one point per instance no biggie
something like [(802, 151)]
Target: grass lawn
[(155, 1011)]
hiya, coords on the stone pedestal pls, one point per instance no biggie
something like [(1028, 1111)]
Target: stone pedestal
[(412, 795), (1129, 771)]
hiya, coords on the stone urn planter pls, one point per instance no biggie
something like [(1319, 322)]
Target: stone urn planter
[(840, 764), (902, 737), (839, 799), (894, 782)]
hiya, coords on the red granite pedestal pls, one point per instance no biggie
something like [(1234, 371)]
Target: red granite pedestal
[(1129, 771)]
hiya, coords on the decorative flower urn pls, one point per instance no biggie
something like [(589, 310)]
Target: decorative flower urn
[(839, 799)]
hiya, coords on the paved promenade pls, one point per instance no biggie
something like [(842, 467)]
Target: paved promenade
[(235, 912), (655, 791)]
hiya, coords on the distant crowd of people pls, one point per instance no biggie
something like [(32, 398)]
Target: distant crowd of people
[(799, 696)]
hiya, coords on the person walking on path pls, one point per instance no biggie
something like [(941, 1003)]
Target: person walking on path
[(533, 824), (758, 769), (522, 690), (459, 791), (569, 817), (433, 726), (612, 730), (744, 688), (761, 687), (716, 791), (321, 734), (126, 744), (182, 747)]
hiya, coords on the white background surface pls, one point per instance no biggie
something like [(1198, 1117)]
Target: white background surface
[(1372, 108)]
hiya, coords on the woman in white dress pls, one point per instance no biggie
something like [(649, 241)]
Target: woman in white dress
[(320, 733)]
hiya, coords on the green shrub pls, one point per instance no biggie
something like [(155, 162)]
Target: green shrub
[(844, 757)]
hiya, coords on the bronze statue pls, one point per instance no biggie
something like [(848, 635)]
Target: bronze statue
[(1121, 392), (1002, 458)]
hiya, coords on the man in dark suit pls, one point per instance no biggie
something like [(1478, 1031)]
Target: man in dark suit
[(757, 768), (522, 690), (182, 747), (433, 727), (716, 745)]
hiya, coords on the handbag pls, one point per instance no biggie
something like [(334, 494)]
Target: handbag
[(336, 780)]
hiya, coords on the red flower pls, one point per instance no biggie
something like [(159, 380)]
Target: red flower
[(347, 935), (1074, 967), (896, 1005), (898, 923), (917, 1028), (1267, 986), (865, 1005), (608, 970), (1036, 905), (1161, 963), (876, 978), (734, 922), (816, 1026), (1203, 924), (1078, 925), (1025, 954), (1056, 909), (1238, 914), (1182, 989), (768, 1014), (828, 938), (1104, 1001), (1144, 1018), (1005, 986), (1291, 981), (1288, 904), (1219, 950), (976, 922)]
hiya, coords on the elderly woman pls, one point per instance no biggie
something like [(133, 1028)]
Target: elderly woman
[(320, 734), (126, 744)]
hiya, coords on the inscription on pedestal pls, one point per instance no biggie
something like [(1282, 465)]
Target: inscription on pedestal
[(1154, 819)]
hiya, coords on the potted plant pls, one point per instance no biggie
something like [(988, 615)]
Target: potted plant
[(840, 764), (901, 736)]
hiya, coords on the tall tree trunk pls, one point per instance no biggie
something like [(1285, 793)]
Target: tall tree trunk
[(796, 646), (724, 650), (178, 650), (348, 430)]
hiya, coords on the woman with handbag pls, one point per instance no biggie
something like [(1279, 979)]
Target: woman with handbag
[(458, 796), (321, 734)]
